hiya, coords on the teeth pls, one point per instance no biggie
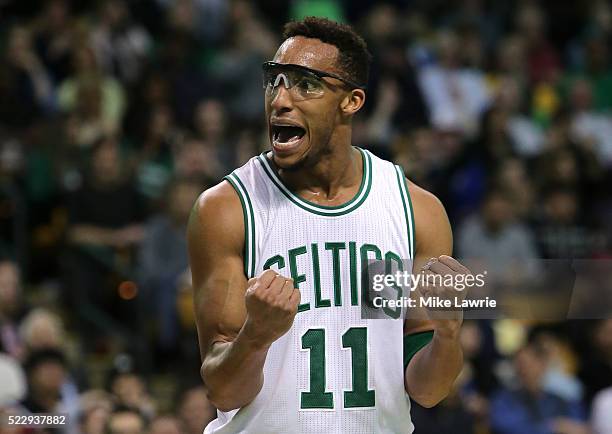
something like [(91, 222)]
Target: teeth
[(281, 137), (288, 143)]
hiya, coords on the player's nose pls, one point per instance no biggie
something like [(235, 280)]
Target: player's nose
[(282, 100)]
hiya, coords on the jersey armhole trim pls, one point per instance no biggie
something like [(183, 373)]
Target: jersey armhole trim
[(408, 211), (249, 223), (414, 343)]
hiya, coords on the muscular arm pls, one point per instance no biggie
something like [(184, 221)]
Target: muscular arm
[(432, 371), (232, 364)]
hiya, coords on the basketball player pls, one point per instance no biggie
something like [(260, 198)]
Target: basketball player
[(276, 251)]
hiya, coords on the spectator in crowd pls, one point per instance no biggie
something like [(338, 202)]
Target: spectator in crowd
[(151, 92), (11, 309), (129, 389), (380, 126), (165, 425), (418, 155), (106, 210), (395, 103), (590, 127), (13, 382), (96, 100), (573, 165), (495, 236), (197, 161), (195, 410), (211, 126), (478, 380), (560, 377), (561, 233), (163, 256), (455, 96), (514, 179), (124, 420), (494, 143), (239, 66), (524, 133), (25, 85), (594, 69), (11, 411), (95, 408), (542, 57), (46, 371), (121, 46), (55, 36), (154, 160), (511, 60), (41, 329), (531, 409), (105, 225)]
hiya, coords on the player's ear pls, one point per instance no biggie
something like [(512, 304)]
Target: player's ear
[(353, 101)]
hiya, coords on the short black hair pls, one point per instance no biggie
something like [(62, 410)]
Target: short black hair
[(353, 55), (120, 409), (44, 355)]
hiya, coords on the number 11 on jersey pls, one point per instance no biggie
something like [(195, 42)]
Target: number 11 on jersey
[(355, 338)]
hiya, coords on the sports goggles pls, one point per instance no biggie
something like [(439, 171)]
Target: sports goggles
[(303, 82)]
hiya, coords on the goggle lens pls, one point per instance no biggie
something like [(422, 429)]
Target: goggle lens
[(302, 84)]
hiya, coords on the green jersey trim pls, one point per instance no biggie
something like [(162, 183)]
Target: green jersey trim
[(249, 223), (414, 343), (354, 203), (407, 204)]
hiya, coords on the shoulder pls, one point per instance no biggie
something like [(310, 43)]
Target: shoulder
[(424, 200), (432, 227), (222, 194), (427, 208), (217, 214)]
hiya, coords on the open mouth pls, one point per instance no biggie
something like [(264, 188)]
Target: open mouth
[(286, 136)]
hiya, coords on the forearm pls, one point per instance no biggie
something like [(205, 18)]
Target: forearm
[(233, 373), (431, 373)]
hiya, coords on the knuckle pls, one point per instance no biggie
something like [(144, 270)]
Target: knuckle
[(267, 276), (276, 284), (268, 272), (270, 299)]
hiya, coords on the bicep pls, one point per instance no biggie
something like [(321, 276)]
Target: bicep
[(215, 253), (433, 237)]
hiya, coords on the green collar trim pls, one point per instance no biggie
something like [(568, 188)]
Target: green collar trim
[(333, 211)]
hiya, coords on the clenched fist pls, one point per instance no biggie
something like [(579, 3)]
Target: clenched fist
[(271, 303), (446, 268)]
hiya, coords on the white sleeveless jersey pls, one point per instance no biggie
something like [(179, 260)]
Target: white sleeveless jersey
[(332, 372)]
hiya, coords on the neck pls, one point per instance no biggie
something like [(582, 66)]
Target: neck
[(332, 180)]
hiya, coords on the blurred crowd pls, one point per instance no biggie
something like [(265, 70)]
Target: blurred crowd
[(116, 114)]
